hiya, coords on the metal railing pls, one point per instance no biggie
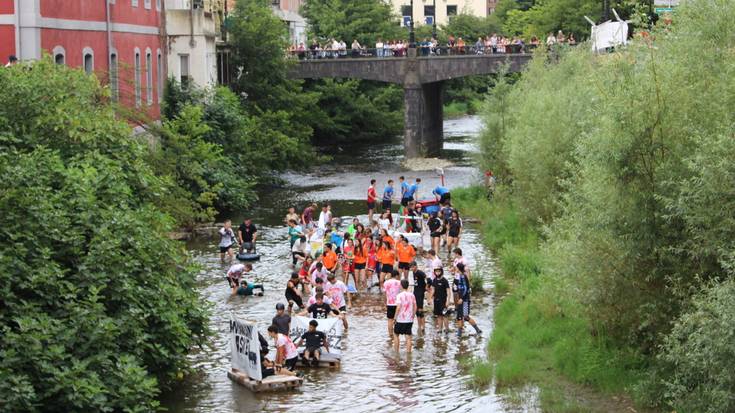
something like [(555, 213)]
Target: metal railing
[(421, 51)]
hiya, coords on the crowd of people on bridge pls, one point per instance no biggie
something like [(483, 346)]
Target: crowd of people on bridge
[(386, 254), (490, 44)]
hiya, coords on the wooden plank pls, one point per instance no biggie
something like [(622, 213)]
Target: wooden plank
[(326, 360), (270, 383)]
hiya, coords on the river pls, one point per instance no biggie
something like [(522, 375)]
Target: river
[(372, 377)]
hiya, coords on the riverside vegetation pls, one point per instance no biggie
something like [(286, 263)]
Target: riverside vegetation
[(614, 224)]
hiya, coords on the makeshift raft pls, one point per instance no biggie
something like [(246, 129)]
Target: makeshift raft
[(270, 383), (326, 360)]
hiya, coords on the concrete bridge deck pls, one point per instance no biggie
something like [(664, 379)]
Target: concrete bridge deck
[(422, 78)]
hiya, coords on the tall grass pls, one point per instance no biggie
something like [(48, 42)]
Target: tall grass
[(538, 334)]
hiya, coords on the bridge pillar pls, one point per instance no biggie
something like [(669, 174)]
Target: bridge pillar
[(423, 120), (433, 123)]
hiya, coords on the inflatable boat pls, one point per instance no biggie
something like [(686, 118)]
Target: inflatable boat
[(244, 255)]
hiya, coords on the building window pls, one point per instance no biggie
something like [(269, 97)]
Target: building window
[(59, 55), (158, 6), (149, 77), (135, 3), (452, 10), (276, 3), (114, 77), (429, 11), (405, 10), (184, 69), (137, 77), (147, 4), (159, 76), (88, 60)]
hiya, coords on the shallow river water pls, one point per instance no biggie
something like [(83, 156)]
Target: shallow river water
[(372, 376)]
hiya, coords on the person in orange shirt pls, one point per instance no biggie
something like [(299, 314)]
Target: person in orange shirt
[(361, 258), (329, 258), (385, 237), (406, 254), (387, 258)]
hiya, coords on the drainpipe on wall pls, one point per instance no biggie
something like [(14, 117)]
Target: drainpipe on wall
[(18, 44), (109, 35), (192, 42)]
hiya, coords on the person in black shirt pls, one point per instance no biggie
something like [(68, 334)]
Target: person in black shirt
[(292, 292), (441, 299), (436, 230), (315, 340), (419, 289), (282, 320), (320, 309), (248, 234)]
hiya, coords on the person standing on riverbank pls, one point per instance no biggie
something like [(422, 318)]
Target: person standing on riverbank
[(226, 241), (388, 196), (372, 196), (405, 313), (404, 189)]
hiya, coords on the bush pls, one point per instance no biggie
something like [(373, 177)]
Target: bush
[(97, 306), (699, 353)]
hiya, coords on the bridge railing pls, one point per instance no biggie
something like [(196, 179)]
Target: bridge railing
[(421, 51)]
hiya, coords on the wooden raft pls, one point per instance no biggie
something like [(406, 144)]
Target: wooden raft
[(325, 360), (270, 383)]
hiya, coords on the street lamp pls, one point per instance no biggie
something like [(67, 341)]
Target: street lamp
[(433, 23), (411, 34)]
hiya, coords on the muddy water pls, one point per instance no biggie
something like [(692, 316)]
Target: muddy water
[(372, 377)]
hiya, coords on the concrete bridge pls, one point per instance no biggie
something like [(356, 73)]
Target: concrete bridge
[(422, 79)]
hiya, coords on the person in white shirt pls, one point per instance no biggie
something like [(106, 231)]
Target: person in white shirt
[(379, 47), (405, 313), (227, 240)]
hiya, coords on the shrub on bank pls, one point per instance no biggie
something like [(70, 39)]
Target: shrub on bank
[(97, 306)]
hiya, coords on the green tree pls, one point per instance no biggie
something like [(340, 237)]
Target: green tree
[(363, 20), (97, 306)]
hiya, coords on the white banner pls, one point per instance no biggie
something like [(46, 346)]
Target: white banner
[(332, 327), (245, 348)]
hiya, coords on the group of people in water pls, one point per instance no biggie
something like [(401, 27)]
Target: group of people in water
[(332, 261)]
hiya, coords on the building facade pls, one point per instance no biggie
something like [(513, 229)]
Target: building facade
[(425, 11), (117, 40), (193, 28), (288, 12)]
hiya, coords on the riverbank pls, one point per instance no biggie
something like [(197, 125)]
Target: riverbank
[(539, 338), (458, 109)]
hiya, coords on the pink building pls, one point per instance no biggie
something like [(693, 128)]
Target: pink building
[(117, 40)]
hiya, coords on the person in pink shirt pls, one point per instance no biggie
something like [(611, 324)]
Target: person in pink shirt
[(405, 312), (392, 288), (286, 352)]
